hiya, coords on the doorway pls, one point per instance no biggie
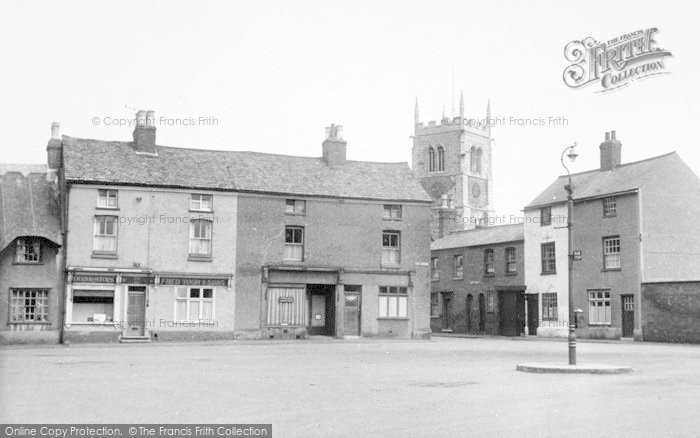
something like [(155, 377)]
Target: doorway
[(627, 316), (351, 311), (321, 309), (446, 323), (470, 303), (136, 311), (511, 308), (482, 312), (533, 315)]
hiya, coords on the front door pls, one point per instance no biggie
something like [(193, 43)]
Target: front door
[(321, 309), (482, 312), (627, 316), (136, 311), (351, 313), (533, 316), (470, 301), (446, 311)]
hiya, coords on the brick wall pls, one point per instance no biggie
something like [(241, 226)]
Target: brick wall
[(671, 312)]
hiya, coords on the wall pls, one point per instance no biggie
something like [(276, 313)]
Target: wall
[(671, 312)]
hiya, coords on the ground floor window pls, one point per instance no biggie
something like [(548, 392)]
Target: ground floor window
[(599, 312), (194, 304), (93, 305), (29, 305), (286, 306), (434, 305), (549, 306), (393, 302)]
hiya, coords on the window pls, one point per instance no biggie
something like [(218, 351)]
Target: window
[(549, 306), (434, 305), (549, 263), (194, 304), (28, 251), (200, 202), (458, 264), (434, 268), (431, 159), (479, 153), (609, 206), (29, 305), (200, 238), (489, 268), (294, 244), (472, 159), (295, 206), (440, 158), (511, 261), (107, 198), (391, 248), (93, 305), (545, 216), (611, 252), (599, 307), (392, 211), (393, 302), (105, 235)]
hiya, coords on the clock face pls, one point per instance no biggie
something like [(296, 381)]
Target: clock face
[(476, 190)]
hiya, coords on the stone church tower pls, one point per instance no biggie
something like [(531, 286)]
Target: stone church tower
[(453, 162)]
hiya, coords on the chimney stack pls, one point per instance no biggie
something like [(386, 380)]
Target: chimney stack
[(53, 148), (334, 147), (610, 152), (145, 133)]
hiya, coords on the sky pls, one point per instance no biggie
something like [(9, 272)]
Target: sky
[(269, 76)]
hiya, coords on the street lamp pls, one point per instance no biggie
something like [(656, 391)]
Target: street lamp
[(569, 223)]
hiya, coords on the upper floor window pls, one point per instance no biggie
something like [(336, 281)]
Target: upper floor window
[(431, 159), (201, 202), (107, 198), (393, 302), (545, 216), (609, 206), (435, 268), (29, 305), (489, 268), (440, 158), (105, 241), (200, 238), (549, 263), (458, 265), (392, 211), (294, 244), (479, 154), (28, 251), (611, 252), (295, 206), (511, 260), (391, 248)]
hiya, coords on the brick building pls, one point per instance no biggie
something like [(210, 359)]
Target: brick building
[(173, 243), (637, 229), (30, 254), (478, 282)]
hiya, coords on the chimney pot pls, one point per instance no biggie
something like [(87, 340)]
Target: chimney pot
[(612, 135), (607, 136), (55, 129)]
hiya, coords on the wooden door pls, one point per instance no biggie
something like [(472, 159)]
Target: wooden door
[(136, 311), (351, 314), (533, 313), (627, 316)]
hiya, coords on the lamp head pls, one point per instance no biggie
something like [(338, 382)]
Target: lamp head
[(572, 153)]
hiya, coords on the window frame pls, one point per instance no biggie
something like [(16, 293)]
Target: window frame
[(295, 210), (609, 206), (511, 260), (594, 299), (107, 198), (550, 301), (93, 292), (188, 299), (434, 268), (391, 209), (440, 158), (97, 225), (302, 233), (210, 239), (19, 306), (458, 269), (434, 305), (552, 259), (546, 216), (431, 159), (401, 295), (489, 262), (200, 202), (394, 249), (609, 255), (22, 245)]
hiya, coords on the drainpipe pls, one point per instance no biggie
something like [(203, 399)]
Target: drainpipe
[(63, 190)]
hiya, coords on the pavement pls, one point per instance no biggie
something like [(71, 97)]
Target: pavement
[(442, 387)]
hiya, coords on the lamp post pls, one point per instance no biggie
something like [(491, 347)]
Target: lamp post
[(569, 224)]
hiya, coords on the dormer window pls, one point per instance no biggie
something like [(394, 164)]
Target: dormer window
[(199, 202), (28, 251), (107, 198)]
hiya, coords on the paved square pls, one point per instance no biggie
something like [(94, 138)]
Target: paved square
[(443, 387)]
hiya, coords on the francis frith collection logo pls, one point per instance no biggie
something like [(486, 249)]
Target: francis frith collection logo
[(616, 62)]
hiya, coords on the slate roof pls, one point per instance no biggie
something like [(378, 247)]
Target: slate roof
[(480, 236), (115, 162), (624, 178), (28, 204)]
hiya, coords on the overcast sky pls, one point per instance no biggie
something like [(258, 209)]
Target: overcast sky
[(274, 73)]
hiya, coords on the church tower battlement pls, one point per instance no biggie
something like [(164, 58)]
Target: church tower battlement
[(454, 158)]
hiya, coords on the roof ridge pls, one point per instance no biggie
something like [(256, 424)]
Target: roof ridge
[(631, 163)]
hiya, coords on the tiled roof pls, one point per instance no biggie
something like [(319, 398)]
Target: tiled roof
[(113, 162), (624, 178), (480, 236), (28, 204)]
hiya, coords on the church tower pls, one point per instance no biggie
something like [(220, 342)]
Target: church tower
[(454, 158)]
